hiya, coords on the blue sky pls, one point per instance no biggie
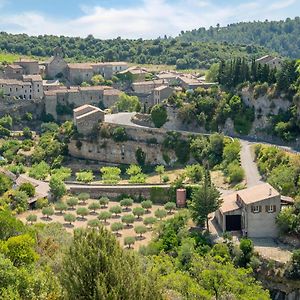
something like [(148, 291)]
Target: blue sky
[(134, 18)]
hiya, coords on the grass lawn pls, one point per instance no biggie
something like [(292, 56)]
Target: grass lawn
[(11, 57)]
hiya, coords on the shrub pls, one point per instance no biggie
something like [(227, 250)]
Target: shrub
[(147, 204), (126, 202), (119, 134), (110, 175), (138, 211), (39, 171), (94, 206), (128, 241), (150, 221), (160, 213), (159, 115), (31, 218), (293, 271), (72, 201), (140, 229), (158, 195), (128, 219), (94, 223), (61, 206), (165, 178), (83, 197), (104, 215), (85, 176), (48, 211), (116, 210), (82, 211), (103, 202), (41, 203), (70, 218), (170, 206), (140, 156), (235, 173), (116, 227)]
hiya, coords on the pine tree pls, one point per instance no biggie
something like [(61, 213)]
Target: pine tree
[(205, 200), (96, 267)]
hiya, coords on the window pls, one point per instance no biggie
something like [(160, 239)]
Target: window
[(270, 208), (256, 208)]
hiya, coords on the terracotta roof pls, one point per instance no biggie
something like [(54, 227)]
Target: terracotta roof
[(112, 92), (258, 193), (13, 82), (15, 66), (80, 66), (32, 77), (83, 107), (229, 203), (161, 88)]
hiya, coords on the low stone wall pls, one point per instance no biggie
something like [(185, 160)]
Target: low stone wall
[(114, 191)]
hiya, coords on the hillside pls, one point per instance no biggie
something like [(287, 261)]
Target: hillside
[(168, 51), (280, 36)]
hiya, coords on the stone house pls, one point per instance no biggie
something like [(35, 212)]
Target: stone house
[(87, 117), (110, 97), (30, 67), (271, 61), (146, 87), (13, 71), (252, 211), (78, 73), (136, 73), (29, 88), (170, 78), (108, 69), (189, 82), (161, 93), (56, 66)]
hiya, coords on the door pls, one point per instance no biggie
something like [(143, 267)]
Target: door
[(233, 222)]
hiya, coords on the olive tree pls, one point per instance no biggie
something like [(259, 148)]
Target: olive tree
[(138, 211), (72, 201), (69, 218), (104, 215), (160, 213), (82, 211), (48, 211), (116, 227), (147, 204), (140, 229), (126, 202), (128, 219), (128, 241), (170, 206), (103, 202), (31, 218), (116, 210), (94, 206)]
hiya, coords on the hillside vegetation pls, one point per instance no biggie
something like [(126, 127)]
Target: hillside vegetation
[(168, 51), (280, 36)]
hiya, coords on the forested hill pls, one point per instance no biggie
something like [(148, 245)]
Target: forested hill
[(280, 36), (169, 51)]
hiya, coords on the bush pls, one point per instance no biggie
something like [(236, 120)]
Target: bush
[(115, 227), (128, 241), (48, 211), (94, 206), (39, 171), (41, 203), (170, 206), (72, 201), (61, 206), (138, 211), (293, 271), (83, 197), (116, 210), (235, 172), (160, 213), (70, 218), (128, 219), (140, 229), (82, 211), (31, 218), (150, 221), (103, 202), (110, 175), (104, 215), (159, 115), (140, 156), (119, 134), (85, 176), (147, 204), (28, 188), (126, 202)]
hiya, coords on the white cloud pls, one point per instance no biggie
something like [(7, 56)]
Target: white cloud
[(282, 4), (149, 19)]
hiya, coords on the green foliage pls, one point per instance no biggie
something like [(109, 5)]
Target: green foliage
[(149, 221), (72, 201), (158, 195), (140, 156), (39, 171), (61, 206), (94, 223), (159, 115), (126, 202), (136, 175), (85, 176), (108, 270), (27, 134), (293, 270), (128, 103), (63, 173), (104, 215), (277, 36), (110, 175), (140, 229), (20, 250), (160, 213), (10, 226), (116, 210), (31, 218), (103, 201), (57, 187), (129, 240), (116, 227), (6, 122), (83, 197), (28, 188), (128, 219), (146, 204), (205, 200), (138, 211), (170, 206), (5, 183), (194, 172), (70, 218), (48, 211), (235, 172), (94, 206), (82, 212), (119, 134)]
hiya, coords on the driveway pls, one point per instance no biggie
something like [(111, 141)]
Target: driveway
[(249, 165)]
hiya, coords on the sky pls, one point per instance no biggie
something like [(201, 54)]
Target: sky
[(134, 18)]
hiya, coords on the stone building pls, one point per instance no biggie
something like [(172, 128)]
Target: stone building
[(252, 211), (77, 96), (146, 87), (20, 68), (30, 87), (161, 93), (87, 117), (56, 66), (271, 61), (13, 71), (78, 73)]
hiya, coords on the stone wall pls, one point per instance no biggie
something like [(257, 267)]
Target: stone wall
[(115, 191), (107, 150)]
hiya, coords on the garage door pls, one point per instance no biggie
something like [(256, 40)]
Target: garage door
[(233, 223)]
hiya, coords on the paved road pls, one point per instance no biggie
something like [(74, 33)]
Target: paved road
[(252, 175), (123, 118)]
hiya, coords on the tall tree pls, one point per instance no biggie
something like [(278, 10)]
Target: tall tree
[(96, 267), (205, 200)]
